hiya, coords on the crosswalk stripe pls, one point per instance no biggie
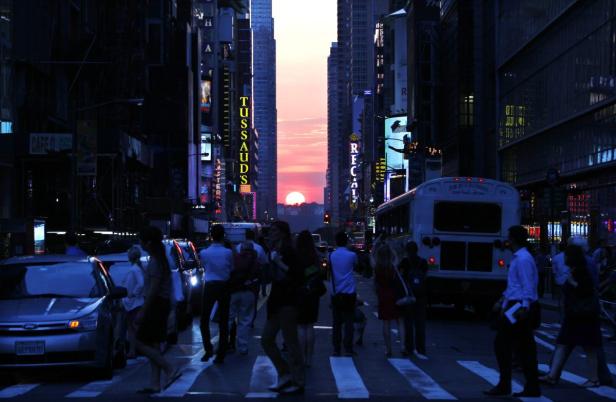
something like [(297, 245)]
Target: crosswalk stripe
[(16, 390), (263, 376), (545, 344), (420, 381), (612, 368), (96, 388), (547, 334), (492, 377), (607, 392), (348, 381), (190, 373)]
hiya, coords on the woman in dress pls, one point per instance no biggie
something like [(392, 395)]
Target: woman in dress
[(385, 279), (581, 324), (152, 320), (312, 291)]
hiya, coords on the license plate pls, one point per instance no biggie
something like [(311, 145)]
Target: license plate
[(30, 348)]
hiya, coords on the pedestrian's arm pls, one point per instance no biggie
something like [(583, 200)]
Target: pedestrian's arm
[(525, 272)]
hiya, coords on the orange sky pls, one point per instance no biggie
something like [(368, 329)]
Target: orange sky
[(304, 32)]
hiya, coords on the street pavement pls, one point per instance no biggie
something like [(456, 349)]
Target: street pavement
[(460, 364)]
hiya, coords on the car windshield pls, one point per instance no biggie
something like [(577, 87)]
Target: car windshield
[(75, 280)]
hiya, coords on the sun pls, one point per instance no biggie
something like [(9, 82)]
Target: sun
[(295, 198)]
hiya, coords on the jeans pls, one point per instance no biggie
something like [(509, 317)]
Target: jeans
[(215, 291), (285, 320), (343, 309), (241, 307), (415, 327)]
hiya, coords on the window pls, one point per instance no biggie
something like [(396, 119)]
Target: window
[(467, 217)]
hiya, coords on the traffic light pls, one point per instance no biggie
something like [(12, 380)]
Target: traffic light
[(327, 218)]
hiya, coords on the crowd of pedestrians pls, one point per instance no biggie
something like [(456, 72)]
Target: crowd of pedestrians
[(292, 270)]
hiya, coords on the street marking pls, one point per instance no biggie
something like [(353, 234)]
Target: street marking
[(182, 385), (547, 334), (492, 377), (544, 343), (420, 381), (348, 381), (96, 388), (612, 368), (17, 390), (322, 327), (263, 376), (607, 392)]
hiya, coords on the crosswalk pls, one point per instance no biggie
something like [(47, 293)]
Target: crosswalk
[(348, 381)]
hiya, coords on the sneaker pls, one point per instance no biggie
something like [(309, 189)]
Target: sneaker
[(292, 389), (283, 382)]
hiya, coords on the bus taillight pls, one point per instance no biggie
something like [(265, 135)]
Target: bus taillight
[(501, 263), (432, 260)]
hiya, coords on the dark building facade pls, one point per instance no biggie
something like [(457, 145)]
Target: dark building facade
[(556, 80)]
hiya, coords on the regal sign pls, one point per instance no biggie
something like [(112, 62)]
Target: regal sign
[(244, 143)]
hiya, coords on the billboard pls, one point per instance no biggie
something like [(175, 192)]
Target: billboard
[(396, 137), (206, 95), (206, 147)]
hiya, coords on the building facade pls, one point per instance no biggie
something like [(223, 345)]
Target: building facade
[(556, 110)]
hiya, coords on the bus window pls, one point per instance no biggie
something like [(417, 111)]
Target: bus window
[(467, 217)]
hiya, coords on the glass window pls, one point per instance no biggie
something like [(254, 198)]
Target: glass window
[(467, 217)]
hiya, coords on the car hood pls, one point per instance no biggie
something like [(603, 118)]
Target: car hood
[(47, 309)]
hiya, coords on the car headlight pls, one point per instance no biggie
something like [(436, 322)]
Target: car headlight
[(87, 323), (193, 280)]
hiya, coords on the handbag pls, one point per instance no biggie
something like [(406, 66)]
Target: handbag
[(407, 300)]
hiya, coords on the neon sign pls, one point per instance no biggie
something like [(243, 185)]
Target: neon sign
[(244, 153), (353, 171)]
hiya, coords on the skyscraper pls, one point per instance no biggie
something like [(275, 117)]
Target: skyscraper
[(264, 101)]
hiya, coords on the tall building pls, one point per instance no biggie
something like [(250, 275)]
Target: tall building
[(264, 101), (467, 132), (333, 189), (556, 110)]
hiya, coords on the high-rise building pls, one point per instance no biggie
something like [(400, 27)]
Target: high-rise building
[(556, 111), (333, 190), (264, 101)]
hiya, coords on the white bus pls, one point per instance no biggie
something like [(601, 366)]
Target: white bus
[(461, 227), (235, 232)]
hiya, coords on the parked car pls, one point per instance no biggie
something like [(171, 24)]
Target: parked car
[(61, 311), (183, 256)]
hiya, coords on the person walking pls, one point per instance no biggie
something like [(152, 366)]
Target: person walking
[(282, 312), (261, 260), (311, 292), (218, 262), (134, 282), (343, 262), (516, 335), (542, 262), (242, 285), (415, 269), (386, 279), (152, 319), (581, 324)]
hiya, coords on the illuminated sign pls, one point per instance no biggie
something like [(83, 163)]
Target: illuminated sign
[(396, 139), (244, 142), (381, 168), (354, 153), (206, 95), (206, 147)]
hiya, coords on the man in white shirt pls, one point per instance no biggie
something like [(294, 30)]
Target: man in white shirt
[(518, 336), (218, 263), (560, 269), (343, 262)]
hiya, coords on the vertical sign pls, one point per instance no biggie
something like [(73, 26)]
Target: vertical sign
[(354, 153), (244, 153)]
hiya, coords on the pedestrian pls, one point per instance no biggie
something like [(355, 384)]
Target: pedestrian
[(152, 319), (262, 263), (134, 282), (282, 312), (415, 269), (599, 255), (72, 247), (218, 262), (515, 334), (265, 269), (359, 322), (343, 262), (581, 325), (311, 292), (386, 283), (542, 261), (242, 284)]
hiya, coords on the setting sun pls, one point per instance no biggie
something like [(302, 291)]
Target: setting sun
[(295, 198)]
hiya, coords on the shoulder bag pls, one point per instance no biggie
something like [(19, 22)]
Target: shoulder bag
[(407, 300)]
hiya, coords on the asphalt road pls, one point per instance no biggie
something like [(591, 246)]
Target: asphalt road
[(460, 366)]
